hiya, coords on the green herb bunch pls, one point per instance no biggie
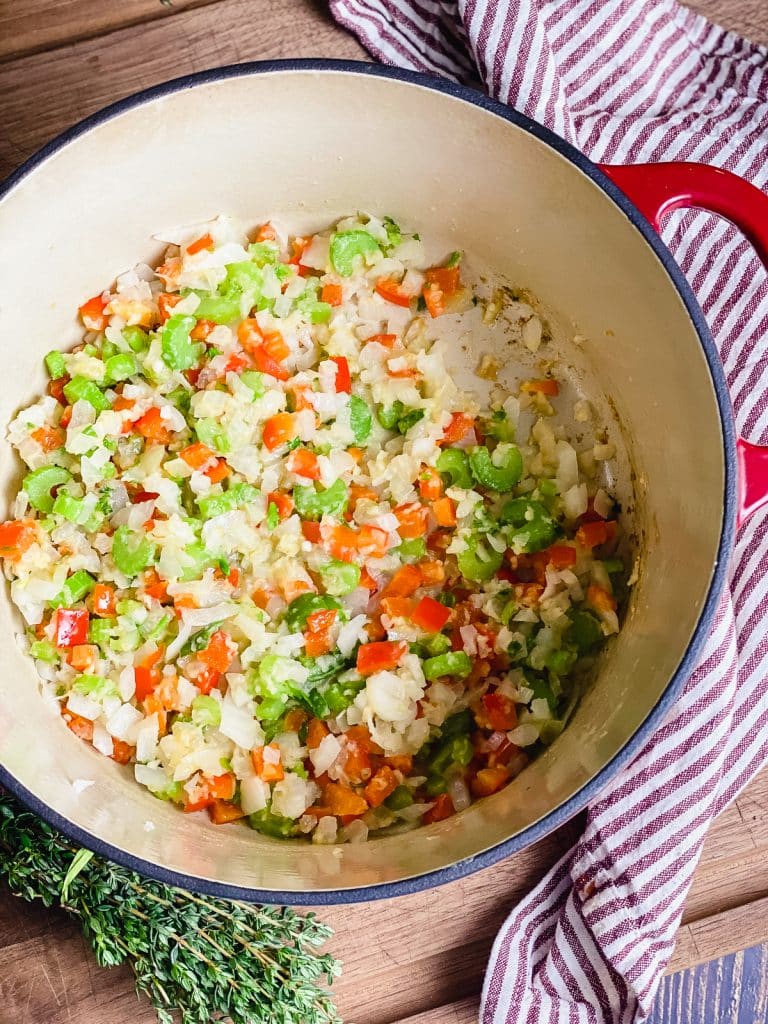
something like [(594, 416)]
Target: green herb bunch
[(197, 959)]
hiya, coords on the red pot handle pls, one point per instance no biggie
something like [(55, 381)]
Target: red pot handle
[(655, 189)]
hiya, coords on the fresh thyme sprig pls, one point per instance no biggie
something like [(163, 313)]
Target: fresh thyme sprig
[(197, 959)]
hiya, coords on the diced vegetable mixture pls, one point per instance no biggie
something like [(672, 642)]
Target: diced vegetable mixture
[(272, 557)]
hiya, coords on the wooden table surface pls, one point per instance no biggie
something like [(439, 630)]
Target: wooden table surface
[(412, 960)]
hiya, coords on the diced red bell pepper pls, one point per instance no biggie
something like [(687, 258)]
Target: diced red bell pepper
[(278, 430), (498, 712), (412, 518), (222, 812), (383, 783), (380, 656), (317, 636), (219, 652), (430, 615), (343, 377), (441, 809), (152, 426), (444, 510), (71, 627), (458, 428), (393, 291), (489, 780), (283, 503), (592, 535), (165, 303), (304, 463), (16, 536), (405, 582), (561, 556), (203, 242), (103, 598), (332, 294), (92, 314), (430, 484)]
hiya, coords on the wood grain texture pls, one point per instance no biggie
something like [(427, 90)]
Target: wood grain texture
[(45, 93), (746, 17), (35, 25), (417, 959)]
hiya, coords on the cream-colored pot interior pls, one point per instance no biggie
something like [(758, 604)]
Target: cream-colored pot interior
[(311, 145)]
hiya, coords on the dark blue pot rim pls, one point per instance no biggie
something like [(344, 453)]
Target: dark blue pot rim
[(689, 661)]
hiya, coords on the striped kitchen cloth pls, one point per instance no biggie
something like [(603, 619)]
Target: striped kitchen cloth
[(631, 81)]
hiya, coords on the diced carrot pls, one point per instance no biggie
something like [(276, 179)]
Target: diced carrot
[(430, 484), (201, 330), (342, 800), (83, 657), (489, 780), (398, 607), (380, 656), (49, 438), (561, 556), (103, 599), (223, 811), (267, 348), (311, 532), (203, 242), (444, 510), (295, 588), (367, 581), (600, 599), (303, 463), (266, 233), (122, 752), (383, 783), (432, 572), (152, 426), (592, 535), (357, 761), (219, 471), (263, 361), (145, 679), (283, 503), (441, 809), (497, 712), (405, 582), (317, 636), (16, 537), (317, 730), (278, 430), (332, 294), (412, 518), (373, 541), (548, 386), (447, 279), (529, 594), (154, 586), (269, 771), (219, 652), (71, 625), (82, 727), (233, 576), (434, 299), (56, 389), (196, 455), (358, 492), (386, 340), (300, 397), (92, 314), (65, 418), (165, 303), (121, 403), (393, 291), (458, 428), (401, 763), (298, 247), (430, 615), (346, 544), (343, 376)]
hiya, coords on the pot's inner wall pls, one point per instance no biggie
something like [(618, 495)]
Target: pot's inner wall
[(314, 145)]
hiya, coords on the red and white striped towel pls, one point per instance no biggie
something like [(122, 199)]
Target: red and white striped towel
[(631, 81)]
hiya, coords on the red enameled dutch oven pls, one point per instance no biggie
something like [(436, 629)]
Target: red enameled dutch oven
[(310, 141)]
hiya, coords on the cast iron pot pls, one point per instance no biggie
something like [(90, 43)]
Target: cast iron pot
[(311, 140)]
